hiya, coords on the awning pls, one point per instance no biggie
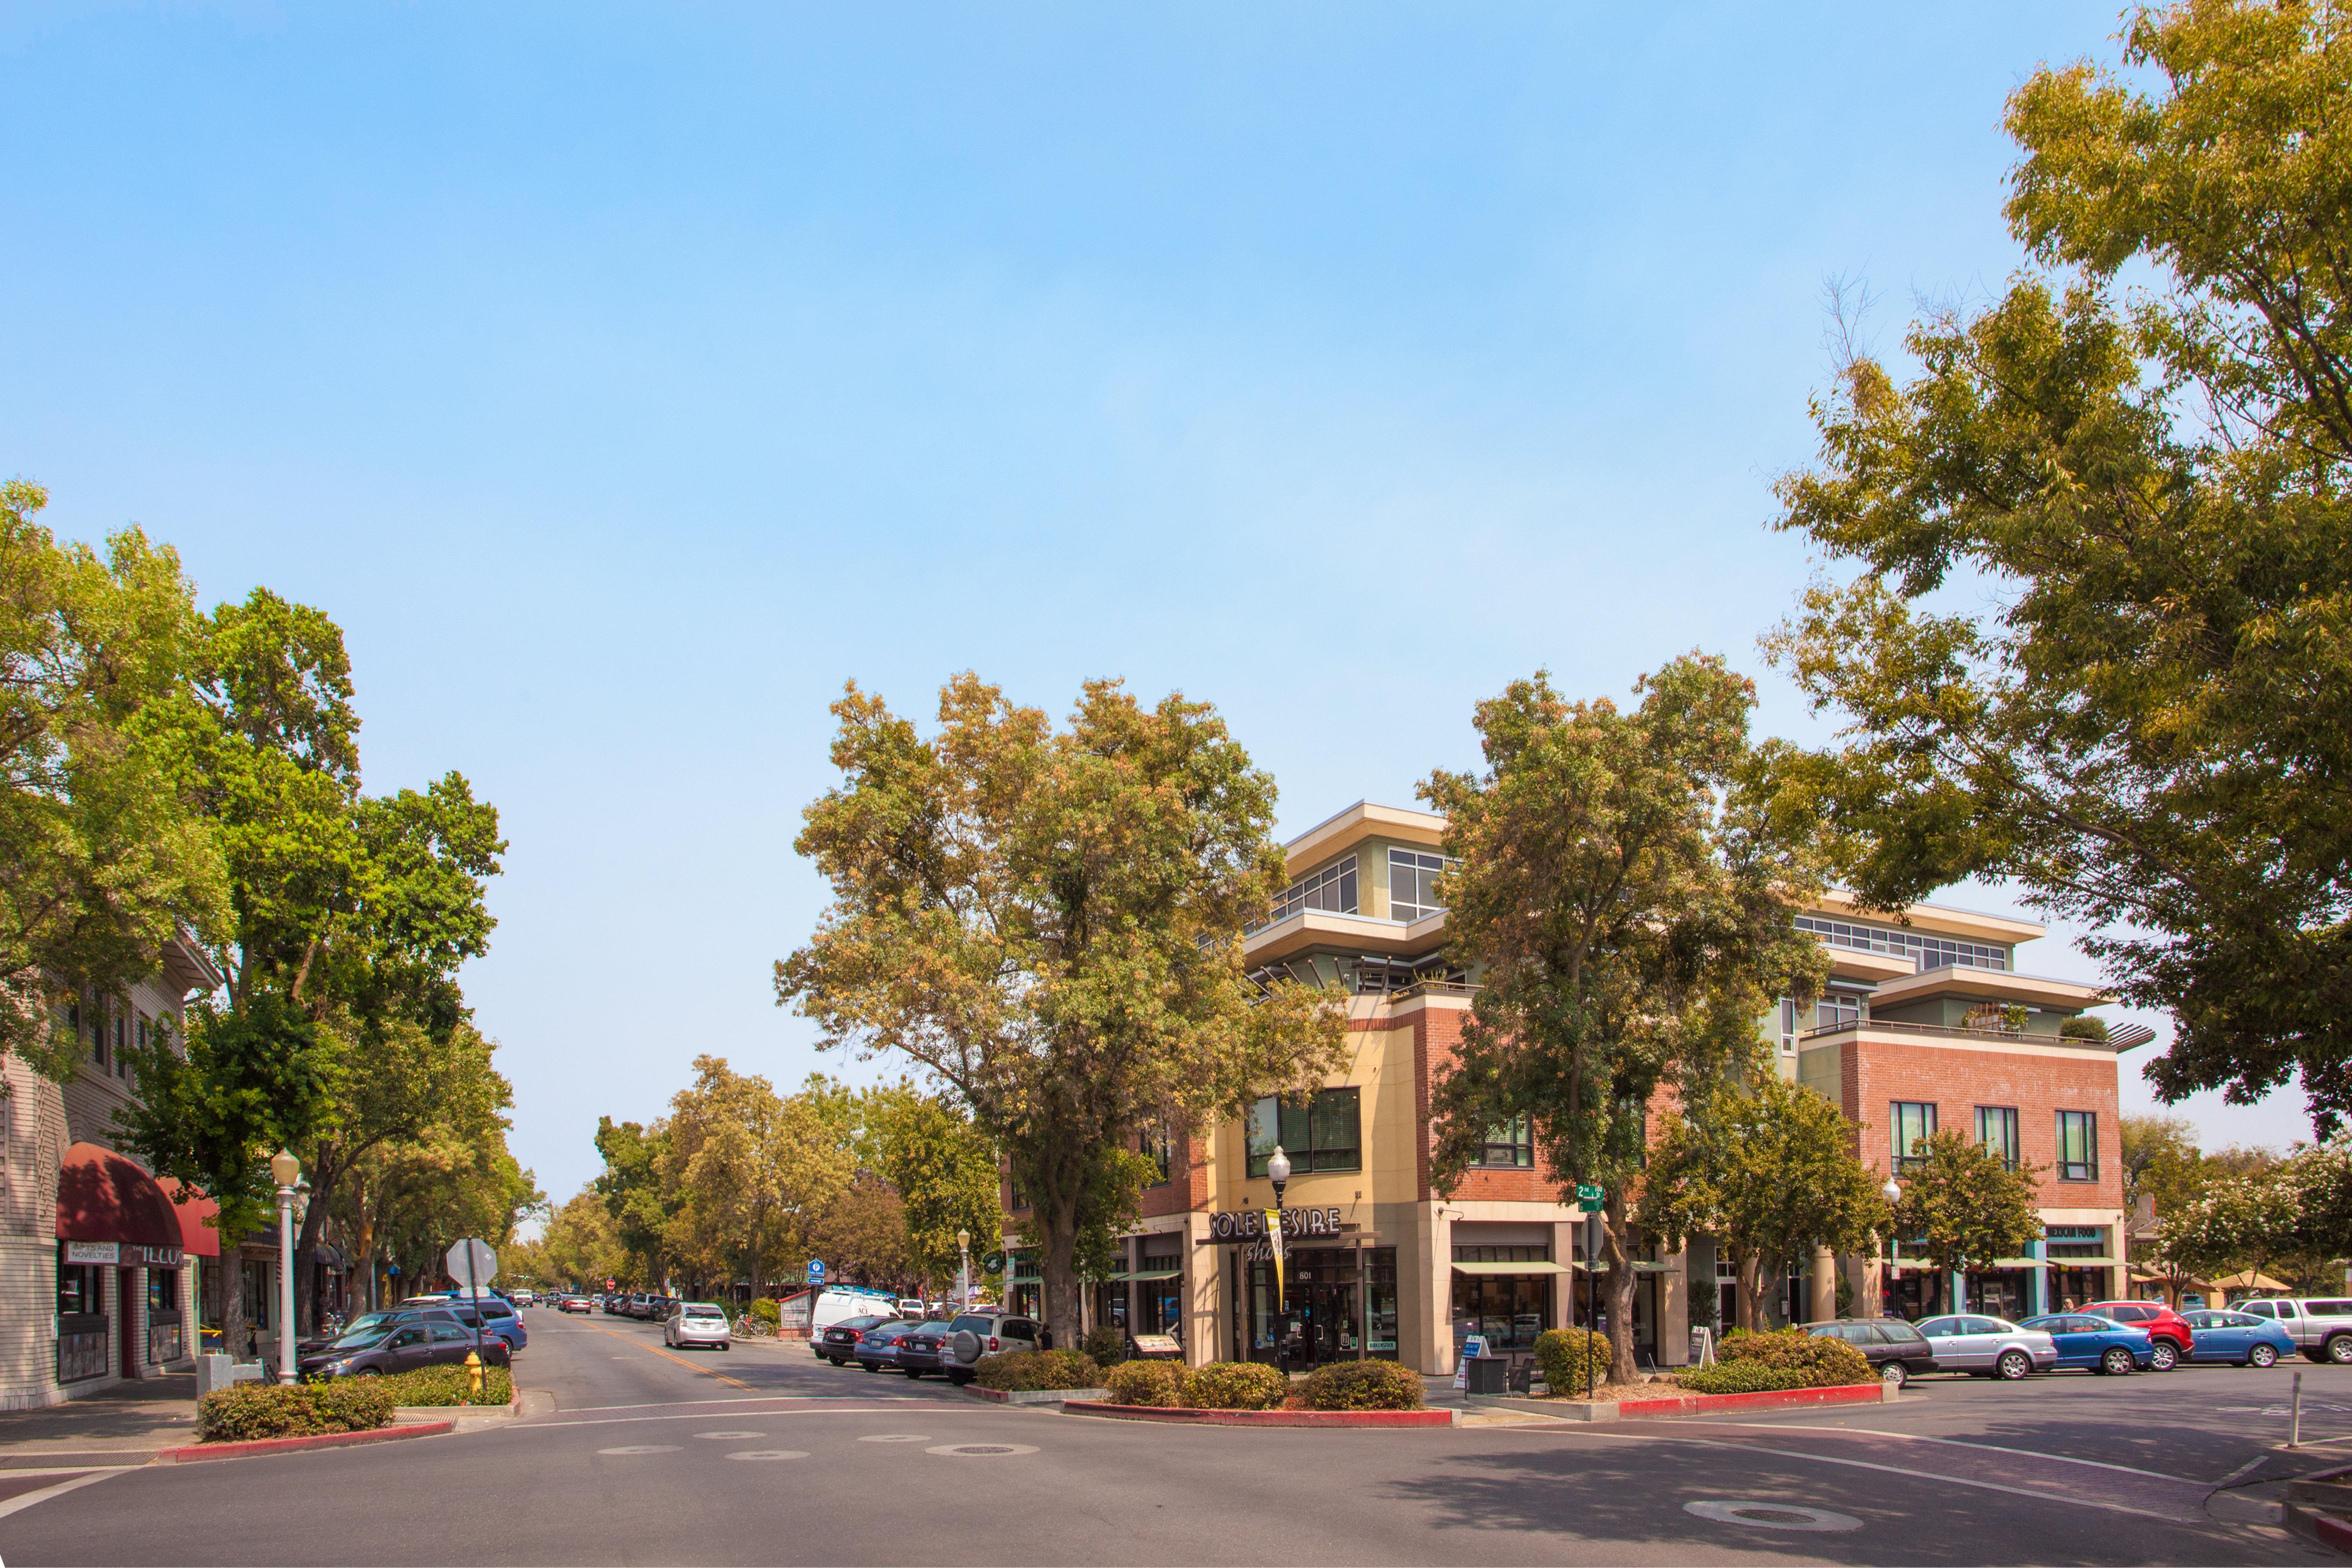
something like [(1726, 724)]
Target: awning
[(197, 1238), (2082, 1262), (1151, 1274), (1544, 1267), (105, 1202), (2019, 1263)]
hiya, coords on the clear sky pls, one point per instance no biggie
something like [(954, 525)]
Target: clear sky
[(625, 380)]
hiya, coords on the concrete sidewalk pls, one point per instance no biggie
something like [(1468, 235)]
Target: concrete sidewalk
[(128, 1423)]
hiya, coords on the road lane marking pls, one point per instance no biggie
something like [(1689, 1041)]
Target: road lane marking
[(664, 1351), (769, 1454), (727, 1437), (1783, 1515), (643, 1448), (1959, 1443), (46, 1493), (702, 1415)]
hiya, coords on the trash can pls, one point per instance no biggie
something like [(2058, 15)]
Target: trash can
[(1489, 1375)]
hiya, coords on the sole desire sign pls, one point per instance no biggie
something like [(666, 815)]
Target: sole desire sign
[(1249, 1224)]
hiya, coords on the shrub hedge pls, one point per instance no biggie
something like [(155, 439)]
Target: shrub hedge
[(1106, 1345), (767, 1312), (1569, 1355), (1742, 1377), (447, 1385), (1824, 1362), (1019, 1371), (1158, 1384), (247, 1412), (1235, 1385), (1363, 1385)]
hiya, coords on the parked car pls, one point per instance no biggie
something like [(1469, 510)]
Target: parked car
[(2099, 1344), (2241, 1338), (494, 1317), (695, 1323), (838, 1303), (1988, 1347), (973, 1335), (838, 1344), (2171, 1340), (878, 1347), (2321, 1327), (910, 1307), (525, 1297), (572, 1303), (422, 1341), (1897, 1351), (923, 1348)]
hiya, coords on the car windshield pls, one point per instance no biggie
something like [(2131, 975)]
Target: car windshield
[(358, 1339)]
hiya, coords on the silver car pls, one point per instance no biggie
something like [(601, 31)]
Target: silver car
[(1988, 1347), (695, 1323)]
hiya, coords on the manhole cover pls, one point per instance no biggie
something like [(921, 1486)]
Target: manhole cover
[(980, 1451), (769, 1454), (896, 1437), (643, 1448), (1771, 1515), (728, 1436)]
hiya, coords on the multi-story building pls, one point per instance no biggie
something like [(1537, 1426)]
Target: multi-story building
[(1928, 1022), (99, 1265)]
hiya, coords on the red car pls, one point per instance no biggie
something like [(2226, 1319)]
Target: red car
[(2165, 1327)]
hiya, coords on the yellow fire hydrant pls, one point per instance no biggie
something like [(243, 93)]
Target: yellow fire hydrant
[(473, 1373)]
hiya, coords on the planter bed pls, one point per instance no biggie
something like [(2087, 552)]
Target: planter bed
[(408, 1415), (1264, 1418), (1658, 1407), (1031, 1396), (199, 1452)]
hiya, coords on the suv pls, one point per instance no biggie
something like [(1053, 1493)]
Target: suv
[(976, 1334), (2321, 1327), (2171, 1339), (1896, 1351)]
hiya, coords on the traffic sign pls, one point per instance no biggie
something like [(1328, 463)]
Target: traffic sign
[(473, 1265), (816, 1271), (1587, 1197)]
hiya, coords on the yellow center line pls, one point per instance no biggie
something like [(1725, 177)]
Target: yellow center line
[(664, 1353)]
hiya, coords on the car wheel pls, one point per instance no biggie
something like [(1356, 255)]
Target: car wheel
[(871, 1365), (911, 1373), (2162, 1357), (1895, 1373), (378, 1372), (2012, 1366), (2116, 1363), (2262, 1355), (2339, 1349), (959, 1379)]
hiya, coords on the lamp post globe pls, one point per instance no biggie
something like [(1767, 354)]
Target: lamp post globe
[(1278, 1170), (1893, 1191)]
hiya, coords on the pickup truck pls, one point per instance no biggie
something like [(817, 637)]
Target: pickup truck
[(2320, 1326)]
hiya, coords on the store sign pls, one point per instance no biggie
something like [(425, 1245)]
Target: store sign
[(1249, 1224), (153, 1257), (93, 1252)]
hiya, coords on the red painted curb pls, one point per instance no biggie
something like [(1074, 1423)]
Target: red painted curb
[(1264, 1418), (200, 1452), (1702, 1404), (2333, 1531)]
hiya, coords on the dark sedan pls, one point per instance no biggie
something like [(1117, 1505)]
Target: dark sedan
[(1898, 1352), (878, 1347), (839, 1343), (403, 1347), (921, 1349)]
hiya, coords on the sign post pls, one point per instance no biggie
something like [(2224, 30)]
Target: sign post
[(816, 1271), (474, 1263)]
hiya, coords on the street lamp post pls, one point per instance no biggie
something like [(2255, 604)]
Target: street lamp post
[(286, 1169), (963, 1271), (1278, 1170), (1893, 1192)]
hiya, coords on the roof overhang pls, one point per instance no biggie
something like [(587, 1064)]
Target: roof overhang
[(1991, 984), (1869, 968), (1312, 928), (1939, 918), (1363, 820)]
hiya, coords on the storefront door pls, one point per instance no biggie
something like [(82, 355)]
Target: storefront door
[(1320, 1318)]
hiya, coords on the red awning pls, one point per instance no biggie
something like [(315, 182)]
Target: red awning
[(197, 1238), (101, 1196)]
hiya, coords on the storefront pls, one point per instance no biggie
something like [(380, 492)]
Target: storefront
[(2081, 1265), (120, 1312), (1504, 1294), (1327, 1296), (2007, 1292)]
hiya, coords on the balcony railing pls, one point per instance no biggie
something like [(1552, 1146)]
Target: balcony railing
[(2128, 1038)]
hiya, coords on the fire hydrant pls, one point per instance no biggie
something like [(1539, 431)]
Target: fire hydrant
[(473, 1375)]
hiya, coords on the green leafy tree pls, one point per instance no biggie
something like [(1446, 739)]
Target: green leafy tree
[(746, 1172), (1771, 1173), (1048, 922), (2247, 1222), (107, 859), (1623, 896), (1962, 1206), (2146, 716), (944, 1168), (633, 1189)]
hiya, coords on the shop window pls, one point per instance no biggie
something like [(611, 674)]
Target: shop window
[(1413, 884), (1325, 1134), (1510, 1144), (2078, 1146), (163, 1290), (1996, 1130), (1908, 1122), (78, 1288), (2064, 1241), (1540, 1253), (257, 1293)]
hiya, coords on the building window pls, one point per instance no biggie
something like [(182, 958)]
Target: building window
[(1907, 1122), (1996, 1130), (2066, 1241), (78, 1288), (1153, 1146), (1413, 884), (1510, 1144), (1788, 1026), (1538, 1254), (1839, 1009), (1332, 889), (97, 1037), (1014, 1198), (2078, 1146), (1926, 951), (1325, 1134), (121, 1035)]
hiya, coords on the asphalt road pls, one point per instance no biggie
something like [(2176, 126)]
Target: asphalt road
[(765, 1455)]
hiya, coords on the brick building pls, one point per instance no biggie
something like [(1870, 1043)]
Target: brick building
[(1931, 1014)]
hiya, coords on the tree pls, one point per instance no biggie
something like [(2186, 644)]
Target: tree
[(1772, 1174), (2150, 727), (1048, 923), (2244, 1222), (632, 1188), (1963, 1207), (580, 1247), (107, 859), (862, 1236), (1623, 897), (747, 1169), (2154, 1148), (944, 1169)]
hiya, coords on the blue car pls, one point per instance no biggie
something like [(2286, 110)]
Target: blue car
[(2240, 1338), (2097, 1344)]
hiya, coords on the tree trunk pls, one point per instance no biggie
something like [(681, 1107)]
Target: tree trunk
[(232, 1279), (1617, 1240), (1057, 1255), (1754, 1270)]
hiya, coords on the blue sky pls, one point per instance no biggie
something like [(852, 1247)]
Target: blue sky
[(625, 380)]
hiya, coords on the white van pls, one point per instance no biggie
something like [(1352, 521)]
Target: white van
[(835, 1302)]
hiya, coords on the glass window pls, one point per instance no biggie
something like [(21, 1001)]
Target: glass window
[(1907, 1122), (1413, 884), (163, 1289), (1996, 1130), (2330, 1308), (1154, 1147), (1331, 889), (78, 1288), (1325, 1134), (1511, 1144), (1839, 1009), (1788, 1025), (2078, 1146), (1926, 951)]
